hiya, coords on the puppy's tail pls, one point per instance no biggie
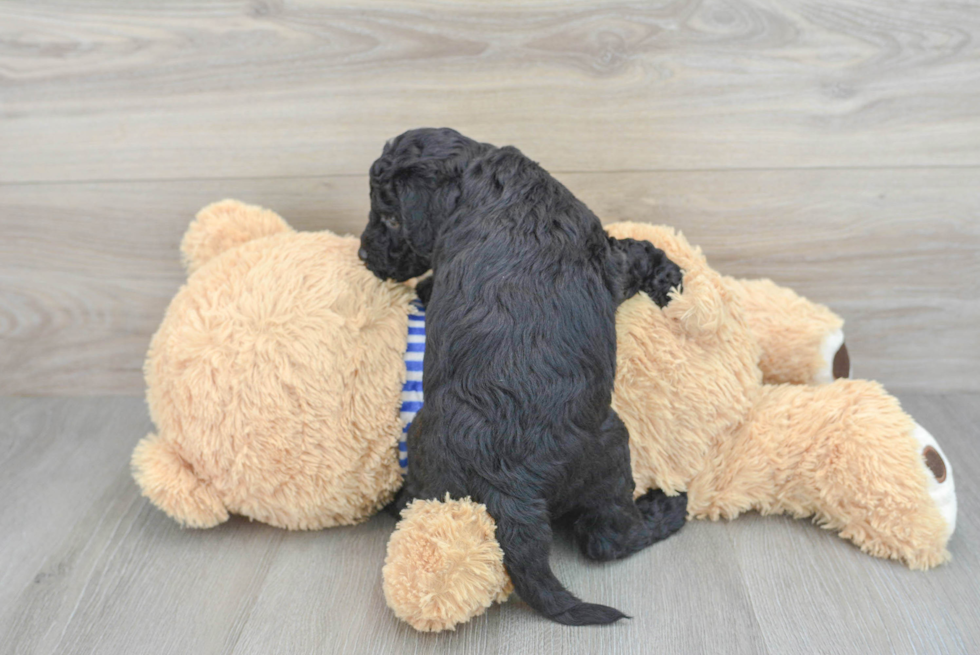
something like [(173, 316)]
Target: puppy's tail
[(525, 537)]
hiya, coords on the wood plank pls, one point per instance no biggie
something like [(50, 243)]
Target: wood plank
[(128, 579), (895, 253), (118, 90), (86, 564), (814, 592), (56, 456), (87, 270)]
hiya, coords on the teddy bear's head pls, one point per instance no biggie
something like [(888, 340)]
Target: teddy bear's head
[(279, 343)]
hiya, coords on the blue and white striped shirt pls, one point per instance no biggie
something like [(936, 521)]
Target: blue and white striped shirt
[(412, 390)]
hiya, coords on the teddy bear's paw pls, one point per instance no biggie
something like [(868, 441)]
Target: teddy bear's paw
[(940, 474), (171, 484), (700, 310), (836, 359), (444, 565)]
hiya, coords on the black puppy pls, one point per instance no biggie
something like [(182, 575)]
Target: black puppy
[(520, 353)]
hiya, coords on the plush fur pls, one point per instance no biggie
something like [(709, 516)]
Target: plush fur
[(843, 453), (520, 353)]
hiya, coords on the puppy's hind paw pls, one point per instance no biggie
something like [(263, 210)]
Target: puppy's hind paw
[(664, 514)]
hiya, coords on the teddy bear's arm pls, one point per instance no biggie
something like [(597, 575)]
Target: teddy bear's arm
[(802, 342)]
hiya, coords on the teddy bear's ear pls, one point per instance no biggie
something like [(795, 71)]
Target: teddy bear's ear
[(225, 225)]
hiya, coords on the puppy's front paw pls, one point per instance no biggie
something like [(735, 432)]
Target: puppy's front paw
[(424, 290), (649, 270), (664, 278)]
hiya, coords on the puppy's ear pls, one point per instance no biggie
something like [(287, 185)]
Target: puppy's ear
[(419, 205), (413, 200)]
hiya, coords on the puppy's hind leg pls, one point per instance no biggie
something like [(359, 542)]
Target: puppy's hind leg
[(610, 525), (524, 534)]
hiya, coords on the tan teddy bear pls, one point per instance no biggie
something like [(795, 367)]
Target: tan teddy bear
[(277, 376)]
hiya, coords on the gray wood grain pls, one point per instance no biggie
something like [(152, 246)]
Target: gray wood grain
[(87, 270), (56, 457), (343, 597), (90, 567), (115, 90), (832, 146)]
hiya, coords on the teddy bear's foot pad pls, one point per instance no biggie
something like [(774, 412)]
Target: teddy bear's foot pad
[(940, 475), (837, 361)]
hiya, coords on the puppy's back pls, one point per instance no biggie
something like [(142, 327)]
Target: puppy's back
[(520, 360)]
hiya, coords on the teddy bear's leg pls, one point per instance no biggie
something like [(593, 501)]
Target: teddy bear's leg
[(170, 484), (845, 454), (444, 565), (802, 342)]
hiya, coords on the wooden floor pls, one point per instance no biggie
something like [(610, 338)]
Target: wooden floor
[(831, 145), (88, 566)]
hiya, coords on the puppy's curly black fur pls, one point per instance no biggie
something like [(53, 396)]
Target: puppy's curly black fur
[(520, 353)]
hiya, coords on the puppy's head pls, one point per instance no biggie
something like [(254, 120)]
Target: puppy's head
[(415, 184)]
